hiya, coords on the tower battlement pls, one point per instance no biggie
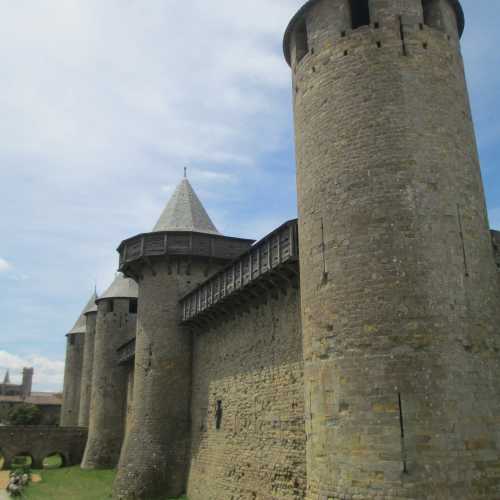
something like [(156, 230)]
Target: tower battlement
[(342, 24)]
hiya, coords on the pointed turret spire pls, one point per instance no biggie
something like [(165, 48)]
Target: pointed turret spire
[(81, 322), (6, 379), (185, 212)]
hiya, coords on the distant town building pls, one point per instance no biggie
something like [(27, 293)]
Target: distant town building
[(12, 395)]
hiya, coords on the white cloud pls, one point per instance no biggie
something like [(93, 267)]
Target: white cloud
[(48, 373), (4, 265), (104, 103)]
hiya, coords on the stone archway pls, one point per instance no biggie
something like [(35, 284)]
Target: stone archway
[(54, 460), (22, 459)]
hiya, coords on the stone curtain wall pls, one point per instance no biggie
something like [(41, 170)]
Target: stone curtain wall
[(252, 364), (40, 442)]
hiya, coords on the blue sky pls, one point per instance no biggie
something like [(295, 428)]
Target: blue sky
[(102, 104)]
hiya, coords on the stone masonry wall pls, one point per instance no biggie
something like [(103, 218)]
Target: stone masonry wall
[(39, 442), (154, 457), (495, 236), (87, 370), (252, 364), (109, 385), (398, 283), (130, 396), (72, 379)]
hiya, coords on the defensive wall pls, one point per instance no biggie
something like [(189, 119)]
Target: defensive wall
[(247, 401), (39, 442), (247, 406)]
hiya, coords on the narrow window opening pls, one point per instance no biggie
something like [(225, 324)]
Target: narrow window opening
[(376, 26), (360, 13), (71, 340), (110, 306), (343, 34), (427, 8), (218, 415), (132, 306), (301, 41), (379, 44), (425, 45), (346, 52), (402, 429)]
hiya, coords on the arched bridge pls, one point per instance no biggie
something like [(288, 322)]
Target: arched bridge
[(39, 442)]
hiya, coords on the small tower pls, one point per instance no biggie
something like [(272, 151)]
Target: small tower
[(6, 379), (398, 282), (181, 252), (27, 383), (87, 364), (73, 370), (116, 323)]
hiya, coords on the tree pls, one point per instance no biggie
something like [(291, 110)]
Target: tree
[(25, 414)]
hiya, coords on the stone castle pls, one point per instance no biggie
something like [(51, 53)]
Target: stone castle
[(352, 354)]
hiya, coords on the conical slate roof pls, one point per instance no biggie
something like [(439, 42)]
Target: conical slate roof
[(184, 212), (93, 307), (81, 322), (121, 288)]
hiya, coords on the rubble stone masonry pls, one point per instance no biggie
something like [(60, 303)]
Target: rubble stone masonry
[(247, 407), (87, 370), (154, 458), (72, 379), (115, 324), (399, 291)]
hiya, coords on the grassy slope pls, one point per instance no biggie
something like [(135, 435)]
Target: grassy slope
[(72, 483)]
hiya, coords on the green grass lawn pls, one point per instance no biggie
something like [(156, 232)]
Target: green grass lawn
[(72, 483)]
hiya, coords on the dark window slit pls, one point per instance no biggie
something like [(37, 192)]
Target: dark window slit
[(360, 13)]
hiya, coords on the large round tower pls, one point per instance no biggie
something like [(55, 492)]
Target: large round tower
[(87, 365), (73, 369), (398, 284), (116, 323), (181, 252)]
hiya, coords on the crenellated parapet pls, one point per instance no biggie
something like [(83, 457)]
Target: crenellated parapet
[(321, 31)]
